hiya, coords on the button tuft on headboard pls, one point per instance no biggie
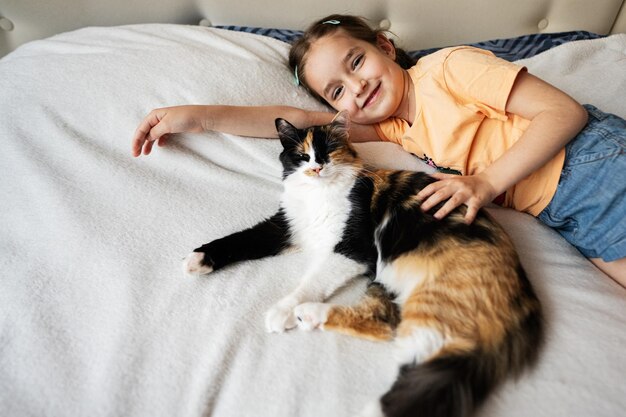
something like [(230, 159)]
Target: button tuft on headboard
[(384, 24), (6, 24), (543, 23)]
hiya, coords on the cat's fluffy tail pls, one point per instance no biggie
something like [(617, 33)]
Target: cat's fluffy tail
[(448, 385), (455, 383)]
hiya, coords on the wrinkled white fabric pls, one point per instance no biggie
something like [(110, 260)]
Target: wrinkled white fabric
[(96, 318)]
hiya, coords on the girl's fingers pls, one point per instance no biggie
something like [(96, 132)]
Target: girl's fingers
[(429, 195), (142, 133), (163, 140), (151, 129), (444, 192), (434, 199), (138, 140), (458, 191), (445, 209), (437, 192), (136, 147), (471, 213), (147, 147), (434, 186)]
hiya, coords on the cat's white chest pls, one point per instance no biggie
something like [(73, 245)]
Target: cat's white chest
[(317, 215)]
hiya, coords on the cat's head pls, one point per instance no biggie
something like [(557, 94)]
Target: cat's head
[(318, 153)]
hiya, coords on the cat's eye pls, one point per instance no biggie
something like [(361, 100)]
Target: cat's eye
[(303, 157)]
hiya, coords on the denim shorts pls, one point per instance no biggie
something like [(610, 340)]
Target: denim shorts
[(589, 206)]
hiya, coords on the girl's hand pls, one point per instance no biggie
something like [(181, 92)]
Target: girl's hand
[(160, 123), (474, 191)]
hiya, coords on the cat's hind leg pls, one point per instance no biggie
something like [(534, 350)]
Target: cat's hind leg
[(374, 318)]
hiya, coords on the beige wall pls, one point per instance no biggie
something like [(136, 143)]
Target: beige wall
[(36, 19)]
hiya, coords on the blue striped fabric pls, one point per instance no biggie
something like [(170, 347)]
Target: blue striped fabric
[(522, 47), (510, 49), (285, 35)]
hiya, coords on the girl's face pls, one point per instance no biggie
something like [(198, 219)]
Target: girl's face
[(357, 76)]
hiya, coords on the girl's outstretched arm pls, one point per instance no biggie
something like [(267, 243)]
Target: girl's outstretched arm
[(555, 118), (237, 120)]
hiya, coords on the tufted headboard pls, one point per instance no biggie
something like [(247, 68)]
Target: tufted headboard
[(417, 23)]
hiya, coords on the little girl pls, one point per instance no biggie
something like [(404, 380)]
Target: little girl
[(511, 135)]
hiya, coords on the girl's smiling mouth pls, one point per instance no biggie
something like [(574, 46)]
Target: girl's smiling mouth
[(372, 97)]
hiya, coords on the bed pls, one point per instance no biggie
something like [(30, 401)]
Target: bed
[(96, 317)]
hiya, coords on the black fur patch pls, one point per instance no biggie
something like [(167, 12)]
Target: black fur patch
[(267, 238), (408, 227), (357, 240)]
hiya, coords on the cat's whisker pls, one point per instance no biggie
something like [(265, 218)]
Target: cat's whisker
[(371, 172)]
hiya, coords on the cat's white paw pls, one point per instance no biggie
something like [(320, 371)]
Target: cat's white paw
[(279, 318), (312, 315), (193, 264)]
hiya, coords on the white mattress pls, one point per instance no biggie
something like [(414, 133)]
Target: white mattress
[(96, 318)]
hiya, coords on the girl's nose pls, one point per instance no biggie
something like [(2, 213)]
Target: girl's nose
[(357, 85)]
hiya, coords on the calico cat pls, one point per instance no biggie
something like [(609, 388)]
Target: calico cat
[(453, 296)]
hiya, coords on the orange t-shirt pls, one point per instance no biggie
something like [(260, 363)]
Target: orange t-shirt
[(461, 122)]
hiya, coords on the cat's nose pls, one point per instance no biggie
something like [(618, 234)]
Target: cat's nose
[(317, 170)]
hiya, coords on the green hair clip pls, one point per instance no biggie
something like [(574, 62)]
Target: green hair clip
[(296, 81), (331, 22)]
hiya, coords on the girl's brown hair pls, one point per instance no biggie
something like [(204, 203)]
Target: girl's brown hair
[(353, 26)]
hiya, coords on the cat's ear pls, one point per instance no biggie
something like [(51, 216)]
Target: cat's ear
[(341, 124), (287, 133)]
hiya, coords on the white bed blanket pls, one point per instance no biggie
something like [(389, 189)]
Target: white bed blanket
[(96, 318)]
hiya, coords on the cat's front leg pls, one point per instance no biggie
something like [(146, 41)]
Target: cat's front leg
[(374, 318), (322, 278), (312, 315), (280, 316), (195, 264), (267, 238)]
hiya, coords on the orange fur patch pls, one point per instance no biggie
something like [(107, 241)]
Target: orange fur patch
[(374, 318), (466, 293)]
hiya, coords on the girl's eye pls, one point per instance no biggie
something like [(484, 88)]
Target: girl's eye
[(337, 92), (357, 61)]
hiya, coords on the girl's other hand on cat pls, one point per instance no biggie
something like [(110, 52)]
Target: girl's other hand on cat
[(160, 123), (475, 191)]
